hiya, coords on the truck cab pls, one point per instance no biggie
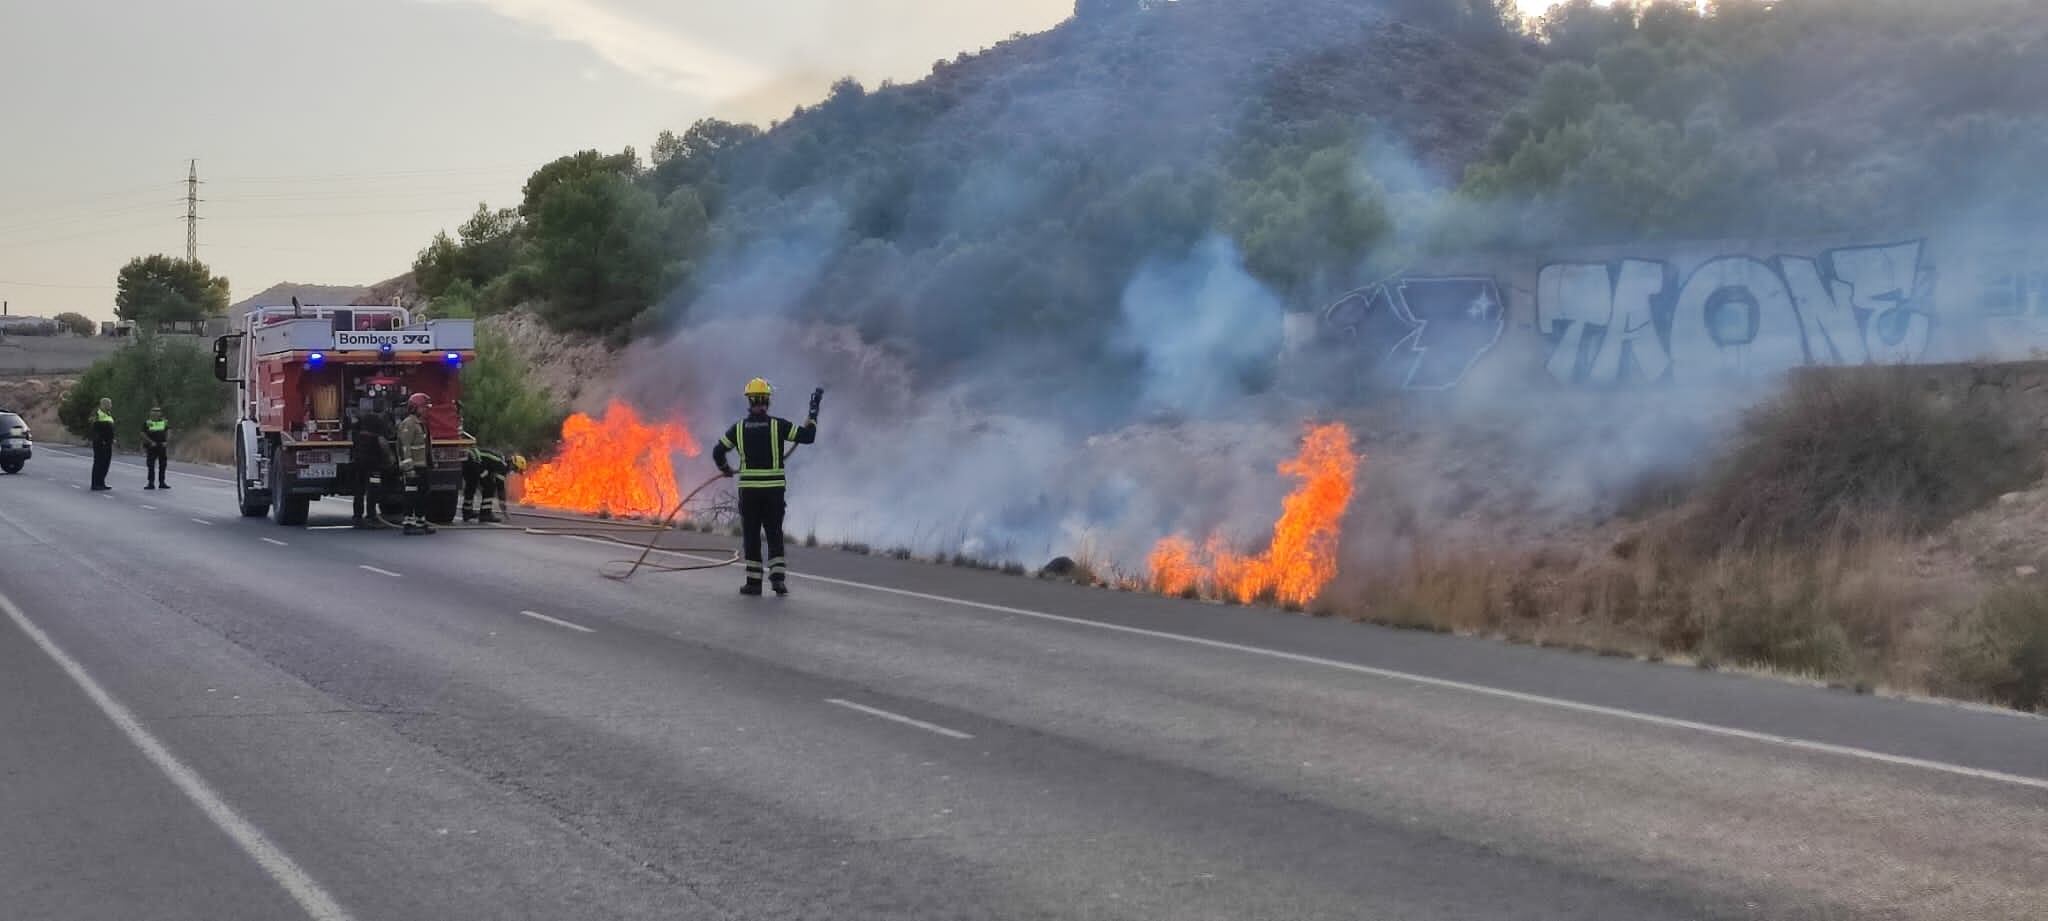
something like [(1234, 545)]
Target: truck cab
[(305, 378)]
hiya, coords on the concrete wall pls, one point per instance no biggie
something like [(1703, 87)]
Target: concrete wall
[(52, 354), (1668, 315)]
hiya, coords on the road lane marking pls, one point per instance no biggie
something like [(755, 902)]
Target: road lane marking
[(295, 881), (536, 615), (202, 521), (76, 486), (898, 717), (381, 572), (273, 540), (150, 508), (1726, 732)]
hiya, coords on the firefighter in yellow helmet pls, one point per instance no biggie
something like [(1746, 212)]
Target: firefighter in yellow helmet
[(761, 442)]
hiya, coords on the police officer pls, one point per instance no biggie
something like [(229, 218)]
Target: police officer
[(156, 447), (415, 459), (760, 440), (484, 471), (102, 444)]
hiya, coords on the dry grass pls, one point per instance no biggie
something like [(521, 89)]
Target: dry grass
[(1998, 650), (1800, 553), (207, 447)]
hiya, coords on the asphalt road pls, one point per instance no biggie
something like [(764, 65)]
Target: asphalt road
[(208, 717)]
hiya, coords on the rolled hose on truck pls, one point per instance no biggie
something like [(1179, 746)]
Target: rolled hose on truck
[(611, 531)]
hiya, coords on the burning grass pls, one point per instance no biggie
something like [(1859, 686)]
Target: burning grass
[(1300, 559), (617, 465)]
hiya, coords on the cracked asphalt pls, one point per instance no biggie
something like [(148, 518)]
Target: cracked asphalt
[(476, 725)]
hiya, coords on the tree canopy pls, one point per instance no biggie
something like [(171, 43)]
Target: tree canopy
[(160, 289)]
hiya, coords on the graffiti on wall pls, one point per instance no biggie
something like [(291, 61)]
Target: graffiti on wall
[(1635, 321), (1638, 321), (1420, 333)]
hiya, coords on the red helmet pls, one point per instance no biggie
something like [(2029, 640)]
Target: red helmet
[(418, 400)]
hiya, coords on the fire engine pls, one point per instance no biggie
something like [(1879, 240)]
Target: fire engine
[(305, 376)]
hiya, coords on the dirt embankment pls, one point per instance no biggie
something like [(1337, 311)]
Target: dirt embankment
[(37, 399)]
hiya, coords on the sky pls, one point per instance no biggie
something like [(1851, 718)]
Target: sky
[(334, 137)]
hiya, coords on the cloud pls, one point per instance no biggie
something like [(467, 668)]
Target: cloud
[(658, 56)]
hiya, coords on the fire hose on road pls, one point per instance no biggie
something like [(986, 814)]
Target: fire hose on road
[(614, 531)]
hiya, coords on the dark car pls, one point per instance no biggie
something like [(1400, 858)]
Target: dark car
[(15, 445)]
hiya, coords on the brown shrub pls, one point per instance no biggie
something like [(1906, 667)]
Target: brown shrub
[(1845, 447)]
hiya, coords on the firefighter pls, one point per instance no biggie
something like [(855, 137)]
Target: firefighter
[(370, 458), (156, 446), (102, 444), (760, 440), (485, 471), (415, 459)]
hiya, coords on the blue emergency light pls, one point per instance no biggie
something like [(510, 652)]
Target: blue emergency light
[(384, 347), (454, 359), (315, 360)]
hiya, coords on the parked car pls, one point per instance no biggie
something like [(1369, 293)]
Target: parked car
[(15, 442)]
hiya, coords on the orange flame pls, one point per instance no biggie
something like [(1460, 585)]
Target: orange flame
[(1302, 557), (1173, 566), (616, 465)]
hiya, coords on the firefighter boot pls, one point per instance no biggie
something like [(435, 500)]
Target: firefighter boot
[(781, 587), (751, 589)]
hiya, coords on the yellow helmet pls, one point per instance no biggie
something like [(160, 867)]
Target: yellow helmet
[(758, 387), (519, 462)]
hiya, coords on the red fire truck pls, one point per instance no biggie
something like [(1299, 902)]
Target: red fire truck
[(304, 376)]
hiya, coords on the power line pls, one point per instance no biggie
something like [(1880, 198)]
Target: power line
[(31, 284), (395, 174)]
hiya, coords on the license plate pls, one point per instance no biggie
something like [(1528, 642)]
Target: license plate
[(15, 443), (317, 472)]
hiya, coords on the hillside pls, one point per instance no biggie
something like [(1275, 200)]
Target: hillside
[(283, 292)]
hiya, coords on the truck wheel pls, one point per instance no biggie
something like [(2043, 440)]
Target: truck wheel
[(441, 507), (11, 466), (254, 504), (286, 510)]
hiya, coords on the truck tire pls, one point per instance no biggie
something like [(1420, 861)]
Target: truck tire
[(11, 466), (287, 510), (441, 507), (254, 504)]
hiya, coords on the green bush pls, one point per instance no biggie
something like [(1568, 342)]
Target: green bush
[(1843, 451), (149, 371), (1999, 650), (500, 404)]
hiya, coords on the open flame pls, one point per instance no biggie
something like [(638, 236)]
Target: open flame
[(617, 465), (1302, 557)]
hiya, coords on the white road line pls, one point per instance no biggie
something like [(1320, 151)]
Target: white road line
[(76, 486), (559, 623), (202, 521), (1727, 732), (381, 572), (898, 717), (281, 868), (150, 508), (273, 540)]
